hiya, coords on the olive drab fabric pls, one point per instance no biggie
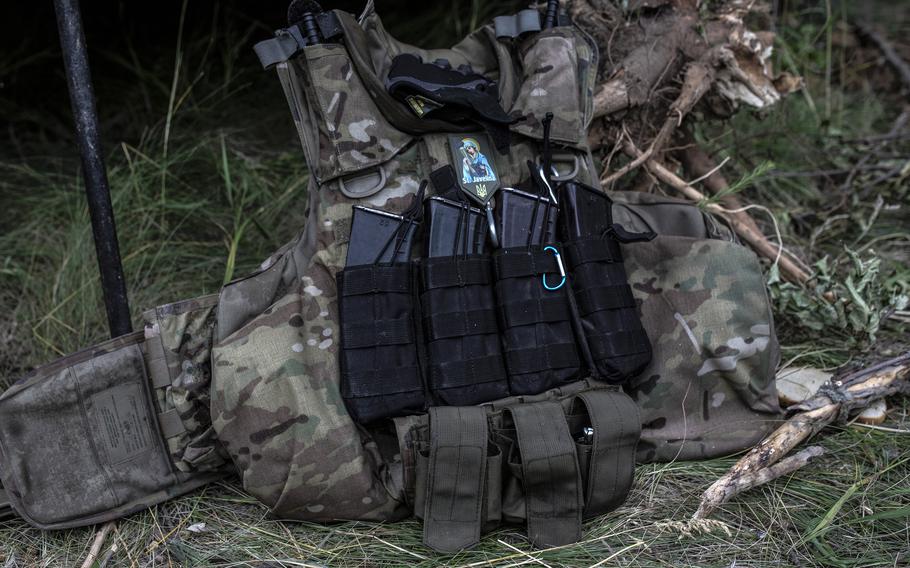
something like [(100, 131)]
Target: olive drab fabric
[(115, 428), (252, 381)]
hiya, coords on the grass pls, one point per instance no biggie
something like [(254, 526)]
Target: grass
[(204, 189)]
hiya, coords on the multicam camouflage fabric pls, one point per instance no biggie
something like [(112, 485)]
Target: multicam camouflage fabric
[(184, 330), (261, 359), (709, 389), (276, 401)]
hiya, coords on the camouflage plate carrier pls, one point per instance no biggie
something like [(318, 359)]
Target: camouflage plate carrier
[(248, 381)]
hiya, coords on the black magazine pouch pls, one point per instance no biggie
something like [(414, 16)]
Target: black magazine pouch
[(611, 326), (535, 316), (465, 363), (380, 368)]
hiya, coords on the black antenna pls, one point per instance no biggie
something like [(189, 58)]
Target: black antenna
[(303, 13), (549, 19)]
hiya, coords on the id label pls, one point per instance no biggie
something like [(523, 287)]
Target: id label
[(475, 168)]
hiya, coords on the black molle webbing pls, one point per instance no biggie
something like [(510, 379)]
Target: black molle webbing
[(455, 477), (447, 325), (474, 371), (611, 467), (550, 477), (610, 328), (515, 263), (538, 339), (445, 272), (370, 279), (609, 297), (592, 250), (378, 382), (542, 358), (378, 332), (619, 343), (550, 308), (380, 367), (462, 329)]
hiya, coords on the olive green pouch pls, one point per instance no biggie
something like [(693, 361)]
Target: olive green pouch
[(114, 428)]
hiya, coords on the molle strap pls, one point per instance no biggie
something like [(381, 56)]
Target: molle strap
[(159, 375), (550, 477), (381, 382), (617, 428), (599, 298), (447, 325), (517, 24), (618, 343), (445, 272), (518, 263), (171, 424), (377, 332), (550, 308), (467, 372), (370, 279), (592, 250), (455, 477), (541, 358)]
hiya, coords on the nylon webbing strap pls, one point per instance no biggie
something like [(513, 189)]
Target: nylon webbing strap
[(550, 308), (461, 324), (448, 273), (525, 263), (382, 382), (601, 298), (542, 358), (467, 372), (380, 278), (455, 477), (159, 374), (377, 332), (517, 24), (592, 250), (618, 343), (276, 50), (550, 478), (617, 428)]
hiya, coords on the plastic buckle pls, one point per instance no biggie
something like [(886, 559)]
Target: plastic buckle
[(562, 271)]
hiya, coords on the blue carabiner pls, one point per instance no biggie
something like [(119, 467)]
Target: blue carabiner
[(562, 271)]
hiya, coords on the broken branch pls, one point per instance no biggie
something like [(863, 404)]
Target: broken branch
[(842, 395), (788, 269)]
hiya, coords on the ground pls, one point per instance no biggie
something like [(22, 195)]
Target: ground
[(207, 179)]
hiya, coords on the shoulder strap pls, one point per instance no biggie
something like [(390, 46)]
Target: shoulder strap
[(550, 477), (453, 508), (611, 467)]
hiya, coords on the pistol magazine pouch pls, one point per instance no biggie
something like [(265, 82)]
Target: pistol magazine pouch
[(547, 461), (115, 428), (618, 344)]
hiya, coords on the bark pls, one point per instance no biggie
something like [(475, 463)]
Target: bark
[(844, 394), (663, 60)]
